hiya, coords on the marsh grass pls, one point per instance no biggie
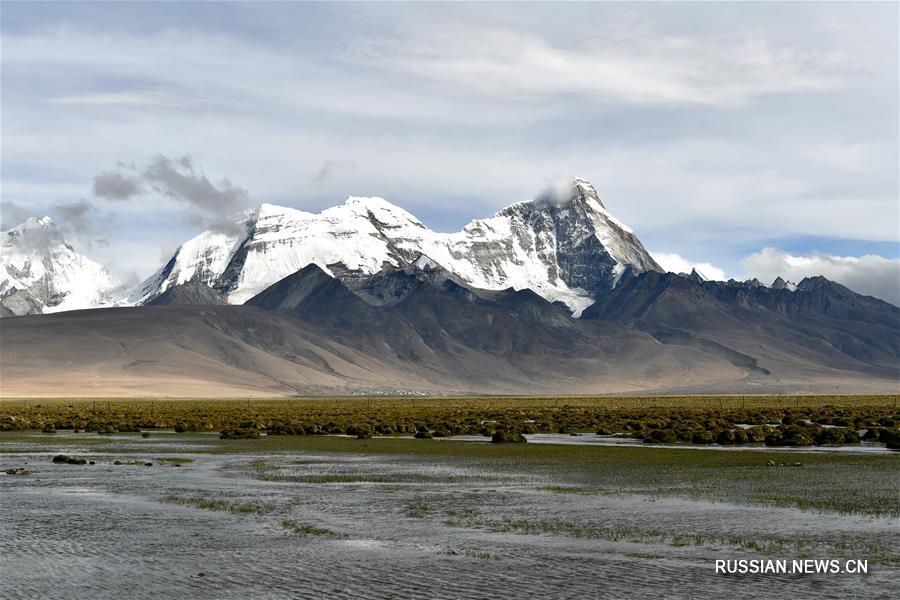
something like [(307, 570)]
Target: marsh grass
[(307, 529), (219, 505), (682, 419), (827, 482), (770, 546), (275, 473), (570, 489), (418, 510), (457, 517)]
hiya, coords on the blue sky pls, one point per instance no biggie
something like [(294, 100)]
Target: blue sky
[(714, 130)]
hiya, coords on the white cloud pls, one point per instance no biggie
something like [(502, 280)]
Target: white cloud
[(675, 263), (137, 97), (870, 275), (454, 121), (644, 67)]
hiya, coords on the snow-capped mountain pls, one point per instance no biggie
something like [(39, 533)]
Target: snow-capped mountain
[(564, 245), (42, 273)]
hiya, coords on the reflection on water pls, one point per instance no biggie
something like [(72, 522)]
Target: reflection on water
[(382, 527)]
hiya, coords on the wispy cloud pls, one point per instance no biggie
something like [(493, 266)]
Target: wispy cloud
[(644, 68), (210, 204), (331, 168), (136, 98), (75, 214), (78, 220)]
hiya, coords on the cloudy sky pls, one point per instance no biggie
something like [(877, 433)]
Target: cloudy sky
[(753, 139)]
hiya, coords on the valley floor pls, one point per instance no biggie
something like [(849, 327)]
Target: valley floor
[(191, 515)]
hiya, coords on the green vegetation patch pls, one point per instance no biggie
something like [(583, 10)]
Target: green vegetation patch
[(219, 505), (307, 529), (827, 481), (570, 489), (726, 420), (418, 510)]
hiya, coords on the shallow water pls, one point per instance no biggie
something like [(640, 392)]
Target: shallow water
[(404, 527), (619, 440)]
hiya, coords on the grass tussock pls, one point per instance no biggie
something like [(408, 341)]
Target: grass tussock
[(307, 529), (219, 505), (417, 510)]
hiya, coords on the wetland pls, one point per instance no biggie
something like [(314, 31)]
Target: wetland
[(159, 513)]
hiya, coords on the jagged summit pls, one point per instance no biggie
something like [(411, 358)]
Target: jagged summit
[(563, 244), (35, 232), (696, 275), (781, 284), (41, 272), (565, 192), (35, 223)]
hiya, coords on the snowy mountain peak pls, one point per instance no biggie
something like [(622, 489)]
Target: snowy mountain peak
[(266, 210), (370, 203), (43, 273), (563, 245), (586, 188), (32, 223), (34, 233), (379, 209), (37, 223), (568, 193)]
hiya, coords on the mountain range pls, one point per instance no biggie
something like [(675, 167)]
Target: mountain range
[(563, 245), (549, 296)]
